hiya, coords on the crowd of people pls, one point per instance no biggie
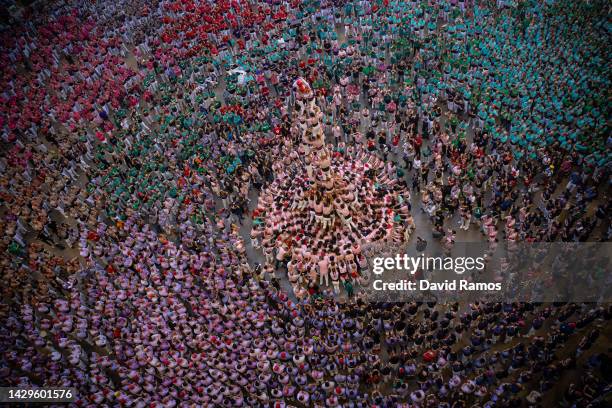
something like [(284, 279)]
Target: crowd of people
[(318, 211), (137, 137)]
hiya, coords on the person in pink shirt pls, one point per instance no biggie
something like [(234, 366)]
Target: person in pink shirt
[(323, 268)]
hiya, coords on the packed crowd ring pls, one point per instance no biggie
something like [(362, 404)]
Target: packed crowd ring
[(135, 135)]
